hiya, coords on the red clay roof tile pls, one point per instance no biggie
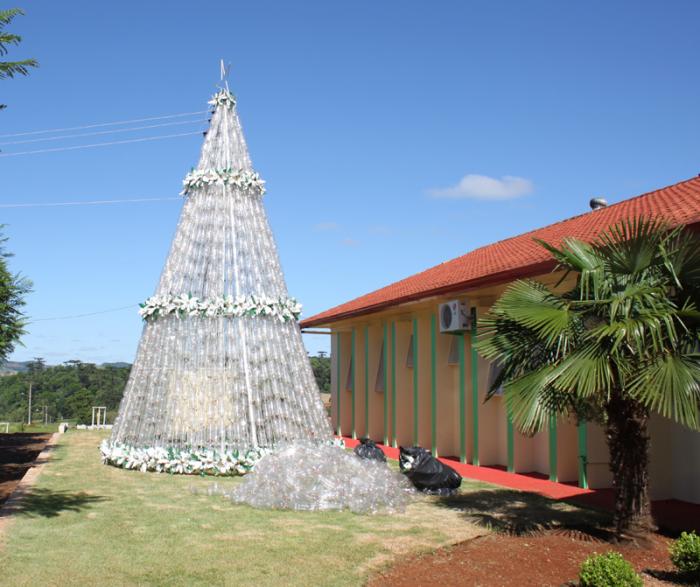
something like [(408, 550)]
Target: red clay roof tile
[(519, 256)]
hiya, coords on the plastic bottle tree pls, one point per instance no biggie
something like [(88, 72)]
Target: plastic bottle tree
[(221, 373)]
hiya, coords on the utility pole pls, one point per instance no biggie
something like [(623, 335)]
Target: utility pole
[(29, 411), (46, 414)]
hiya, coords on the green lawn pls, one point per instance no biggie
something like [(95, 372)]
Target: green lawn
[(86, 523)]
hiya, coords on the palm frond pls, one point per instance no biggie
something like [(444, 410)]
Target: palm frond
[(531, 400), (670, 385), (6, 16), (632, 245)]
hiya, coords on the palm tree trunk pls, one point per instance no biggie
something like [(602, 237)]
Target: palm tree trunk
[(628, 443)]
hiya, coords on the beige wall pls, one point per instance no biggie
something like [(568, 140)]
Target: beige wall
[(675, 450), (675, 461)]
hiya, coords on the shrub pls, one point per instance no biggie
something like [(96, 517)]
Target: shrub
[(608, 570), (685, 554)]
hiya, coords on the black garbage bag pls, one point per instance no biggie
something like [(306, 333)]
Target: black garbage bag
[(367, 449), (427, 473)]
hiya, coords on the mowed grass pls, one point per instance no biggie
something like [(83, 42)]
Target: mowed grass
[(86, 523)]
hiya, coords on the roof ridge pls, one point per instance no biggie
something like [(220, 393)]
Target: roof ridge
[(558, 222), (436, 273)]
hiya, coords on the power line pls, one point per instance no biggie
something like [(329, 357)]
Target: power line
[(141, 140), (103, 132), (87, 202), (39, 132), (83, 315)]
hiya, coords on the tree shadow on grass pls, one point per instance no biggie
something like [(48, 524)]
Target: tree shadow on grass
[(520, 513), (49, 504)]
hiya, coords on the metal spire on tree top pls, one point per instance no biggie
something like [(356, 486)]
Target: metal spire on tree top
[(221, 374)]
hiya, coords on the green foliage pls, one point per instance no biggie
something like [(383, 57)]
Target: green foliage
[(685, 554), (9, 69), (321, 365), (623, 343), (68, 391), (13, 288), (608, 570), (630, 326)]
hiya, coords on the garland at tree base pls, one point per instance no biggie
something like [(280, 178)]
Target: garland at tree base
[(285, 309), (190, 461)]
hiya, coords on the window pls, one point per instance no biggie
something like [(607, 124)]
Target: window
[(379, 384), (453, 355), (495, 370), (348, 379), (409, 354)]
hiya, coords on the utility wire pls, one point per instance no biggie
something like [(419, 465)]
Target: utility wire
[(141, 140), (83, 315), (39, 132), (103, 132), (87, 202)]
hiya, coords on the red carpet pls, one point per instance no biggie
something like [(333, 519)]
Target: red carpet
[(672, 514), (496, 475)]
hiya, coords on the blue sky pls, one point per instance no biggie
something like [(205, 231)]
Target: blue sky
[(370, 121)]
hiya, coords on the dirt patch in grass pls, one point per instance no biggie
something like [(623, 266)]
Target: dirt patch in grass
[(17, 454), (540, 560)]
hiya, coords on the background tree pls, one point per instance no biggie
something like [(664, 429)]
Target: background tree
[(624, 343), (321, 366), (13, 288), (9, 69), (68, 391)]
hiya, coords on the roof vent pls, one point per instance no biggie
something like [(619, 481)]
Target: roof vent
[(598, 203)]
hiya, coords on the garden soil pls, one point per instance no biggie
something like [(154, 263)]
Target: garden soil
[(17, 454), (500, 560)]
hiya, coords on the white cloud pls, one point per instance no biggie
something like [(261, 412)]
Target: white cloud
[(326, 226), (483, 187), (350, 242)]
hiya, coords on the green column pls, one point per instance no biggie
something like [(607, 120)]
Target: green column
[(433, 387), (393, 385), (352, 381), (475, 390), (385, 360), (338, 385), (367, 381), (415, 381), (462, 402), (552, 448), (583, 455), (511, 441)]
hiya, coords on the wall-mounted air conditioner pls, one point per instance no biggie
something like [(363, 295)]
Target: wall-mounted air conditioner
[(454, 317)]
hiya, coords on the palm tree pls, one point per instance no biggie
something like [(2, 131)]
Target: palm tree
[(9, 69), (622, 344)]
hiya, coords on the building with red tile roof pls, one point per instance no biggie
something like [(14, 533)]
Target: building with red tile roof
[(401, 378), (520, 255)]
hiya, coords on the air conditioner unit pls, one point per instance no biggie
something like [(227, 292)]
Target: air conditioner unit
[(454, 317)]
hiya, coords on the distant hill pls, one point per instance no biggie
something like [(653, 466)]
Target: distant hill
[(12, 367), (15, 367), (118, 365)]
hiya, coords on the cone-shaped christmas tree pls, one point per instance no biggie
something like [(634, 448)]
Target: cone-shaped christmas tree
[(221, 373)]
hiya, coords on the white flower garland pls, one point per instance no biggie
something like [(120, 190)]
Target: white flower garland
[(242, 179), (223, 98), (185, 461), (285, 309)]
